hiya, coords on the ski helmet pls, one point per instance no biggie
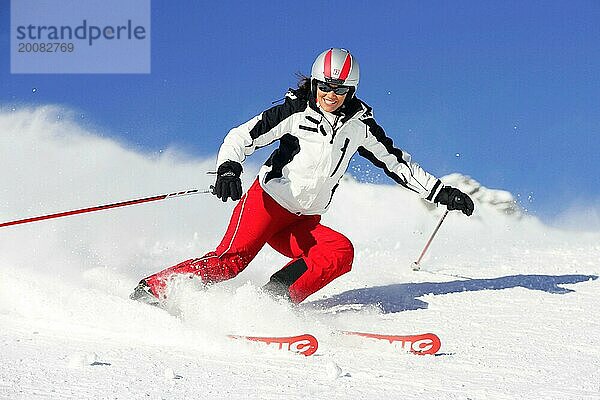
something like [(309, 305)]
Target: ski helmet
[(336, 66)]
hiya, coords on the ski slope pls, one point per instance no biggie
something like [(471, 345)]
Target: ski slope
[(513, 301)]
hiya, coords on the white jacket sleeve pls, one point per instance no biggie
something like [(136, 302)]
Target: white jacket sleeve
[(260, 131), (397, 164)]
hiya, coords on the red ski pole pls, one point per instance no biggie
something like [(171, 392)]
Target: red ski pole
[(416, 264), (104, 207)]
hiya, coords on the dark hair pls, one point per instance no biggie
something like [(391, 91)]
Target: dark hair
[(304, 86)]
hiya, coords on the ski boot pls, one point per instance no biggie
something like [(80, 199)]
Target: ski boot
[(143, 294)]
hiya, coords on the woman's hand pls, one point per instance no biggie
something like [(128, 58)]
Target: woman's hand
[(228, 184), (454, 199)]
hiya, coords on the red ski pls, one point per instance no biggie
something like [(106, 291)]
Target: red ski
[(303, 344), (427, 343)]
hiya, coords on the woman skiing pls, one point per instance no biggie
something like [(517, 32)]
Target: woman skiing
[(320, 126)]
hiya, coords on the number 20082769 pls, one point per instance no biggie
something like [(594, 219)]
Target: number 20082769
[(50, 47)]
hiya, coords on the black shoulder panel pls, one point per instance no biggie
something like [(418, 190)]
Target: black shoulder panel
[(275, 115)]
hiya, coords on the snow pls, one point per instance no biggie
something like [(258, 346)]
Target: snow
[(513, 301)]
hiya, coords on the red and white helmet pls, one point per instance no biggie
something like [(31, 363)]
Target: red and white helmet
[(336, 66)]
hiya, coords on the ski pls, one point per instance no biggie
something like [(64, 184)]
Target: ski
[(426, 343), (302, 344), (306, 344)]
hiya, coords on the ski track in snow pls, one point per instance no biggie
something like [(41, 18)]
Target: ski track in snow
[(514, 302)]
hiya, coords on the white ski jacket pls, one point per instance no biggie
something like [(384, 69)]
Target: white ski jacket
[(304, 172)]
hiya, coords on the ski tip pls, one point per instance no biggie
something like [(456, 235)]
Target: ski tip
[(420, 344), (305, 344)]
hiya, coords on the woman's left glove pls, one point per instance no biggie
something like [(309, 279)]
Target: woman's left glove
[(228, 182), (455, 200)]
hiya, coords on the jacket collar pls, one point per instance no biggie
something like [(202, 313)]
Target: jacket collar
[(351, 108)]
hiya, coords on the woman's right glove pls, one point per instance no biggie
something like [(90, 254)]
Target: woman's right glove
[(228, 184), (454, 199)]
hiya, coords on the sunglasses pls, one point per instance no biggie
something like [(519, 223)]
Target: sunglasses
[(340, 90)]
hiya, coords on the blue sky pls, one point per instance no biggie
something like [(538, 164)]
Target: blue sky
[(507, 92)]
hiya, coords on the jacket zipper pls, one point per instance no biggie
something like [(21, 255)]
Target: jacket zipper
[(344, 149), (333, 127)]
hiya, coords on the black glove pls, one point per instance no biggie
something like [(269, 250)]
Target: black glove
[(455, 200), (228, 182)]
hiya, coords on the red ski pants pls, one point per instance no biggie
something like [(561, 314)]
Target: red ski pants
[(323, 253)]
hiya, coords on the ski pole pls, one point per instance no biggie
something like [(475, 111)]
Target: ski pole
[(416, 265), (104, 207)]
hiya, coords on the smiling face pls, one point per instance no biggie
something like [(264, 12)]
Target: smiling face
[(329, 101)]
